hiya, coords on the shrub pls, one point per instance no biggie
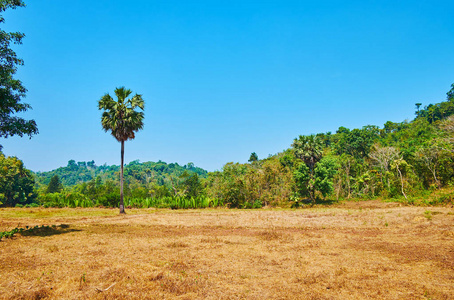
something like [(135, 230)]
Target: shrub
[(109, 200)]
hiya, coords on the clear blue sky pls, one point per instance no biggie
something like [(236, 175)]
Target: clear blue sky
[(222, 79)]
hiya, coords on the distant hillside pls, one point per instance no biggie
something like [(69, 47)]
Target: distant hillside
[(159, 172)]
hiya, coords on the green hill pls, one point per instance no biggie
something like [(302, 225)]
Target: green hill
[(159, 173)]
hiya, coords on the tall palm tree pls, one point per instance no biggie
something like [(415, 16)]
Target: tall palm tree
[(310, 150), (122, 119)]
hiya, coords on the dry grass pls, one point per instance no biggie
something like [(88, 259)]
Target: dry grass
[(352, 251)]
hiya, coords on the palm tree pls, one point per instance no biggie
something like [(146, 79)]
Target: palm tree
[(122, 119), (310, 150)]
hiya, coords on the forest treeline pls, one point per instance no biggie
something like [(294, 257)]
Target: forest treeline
[(406, 161)]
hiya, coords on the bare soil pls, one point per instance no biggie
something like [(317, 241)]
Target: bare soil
[(356, 250)]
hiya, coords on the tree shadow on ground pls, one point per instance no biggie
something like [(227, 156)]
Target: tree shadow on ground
[(325, 201), (307, 203), (48, 230)]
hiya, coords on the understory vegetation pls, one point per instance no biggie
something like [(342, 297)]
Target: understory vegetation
[(410, 161)]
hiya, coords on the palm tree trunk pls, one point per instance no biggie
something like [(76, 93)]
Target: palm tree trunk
[(122, 206)]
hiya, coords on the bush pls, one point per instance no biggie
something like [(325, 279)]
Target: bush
[(109, 200), (73, 199)]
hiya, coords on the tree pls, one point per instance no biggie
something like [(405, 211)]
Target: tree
[(72, 165), (16, 182), (320, 180), (383, 156), (253, 158), (429, 155), (450, 94), (310, 150), (55, 185), (418, 105), (344, 178), (400, 165), (356, 142), (11, 89), (191, 184), (122, 119), (324, 174)]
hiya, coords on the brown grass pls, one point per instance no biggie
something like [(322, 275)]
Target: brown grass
[(357, 250)]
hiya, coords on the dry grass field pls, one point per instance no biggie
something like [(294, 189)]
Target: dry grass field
[(355, 250)]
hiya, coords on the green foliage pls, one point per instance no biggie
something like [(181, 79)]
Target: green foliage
[(36, 230), (438, 111), (148, 180), (75, 199), (356, 142), (324, 174), (16, 182), (407, 161), (266, 182), (303, 181), (11, 89), (191, 184), (109, 200), (321, 181), (121, 117), (88, 177), (400, 161), (69, 199), (55, 185), (309, 149), (9, 234), (253, 158), (174, 202)]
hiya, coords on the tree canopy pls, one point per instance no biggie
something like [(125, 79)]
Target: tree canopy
[(55, 185), (11, 89), (16, 182)]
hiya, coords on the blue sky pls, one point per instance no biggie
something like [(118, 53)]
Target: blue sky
[(222, 79)]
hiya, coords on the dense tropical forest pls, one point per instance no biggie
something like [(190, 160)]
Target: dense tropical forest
[(404, 161)]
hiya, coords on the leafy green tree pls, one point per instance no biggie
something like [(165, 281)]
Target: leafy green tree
[(191, 184), (324, 174), (303, 183), (450, 94), (320, 181), (11, 89), (310, 150), (439, 111), (418, 105), (122, 119), (356, 142), (16, 182), (55, 185), (253, 158), (287, 158), (72, 165)]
